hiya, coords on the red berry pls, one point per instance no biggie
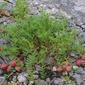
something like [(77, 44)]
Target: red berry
[(82, 61), (4, 66), (78, 62), (68, 68), (13, 63)]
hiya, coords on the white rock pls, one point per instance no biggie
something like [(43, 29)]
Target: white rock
[(22, 78)]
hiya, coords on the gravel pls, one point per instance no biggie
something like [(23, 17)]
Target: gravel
[(72, 9)]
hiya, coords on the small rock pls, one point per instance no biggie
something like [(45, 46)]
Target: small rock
[(14, 79), (57, 81), (82, 37), (37, 67), (22, 78), (31, 82), (50, 60), (36, 75), (77, 78), (74, 55), (54, 68), (1, 71), (40, 82), (11, 5), (3, 81), (2, 42), (48, 80), (83, 26), (6, 20)]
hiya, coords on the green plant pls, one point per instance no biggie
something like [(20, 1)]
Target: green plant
[(39, 35), (20, 10)]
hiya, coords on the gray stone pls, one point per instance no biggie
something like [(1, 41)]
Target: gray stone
[(11, 5), (82, 37), (3, 81), (1, 71), (67, 8), (50, 61), (14, 79), (57, 81), (37, 67), (48, 80), (74, 55), (77, 78), (6, 20), (40, 82), (2, 42), (22, 78), (36, 74)]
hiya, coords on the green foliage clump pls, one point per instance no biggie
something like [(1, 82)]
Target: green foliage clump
[(20, 10), (39, 35)]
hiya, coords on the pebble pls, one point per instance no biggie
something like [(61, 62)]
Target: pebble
[(82, 37), (2, 42), (57, 81), (40, 82), (3, 81), (22, 78), (74, 55), (67, 8), (1, 71)]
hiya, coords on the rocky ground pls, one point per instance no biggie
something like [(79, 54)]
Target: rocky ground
[(73, 10)]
